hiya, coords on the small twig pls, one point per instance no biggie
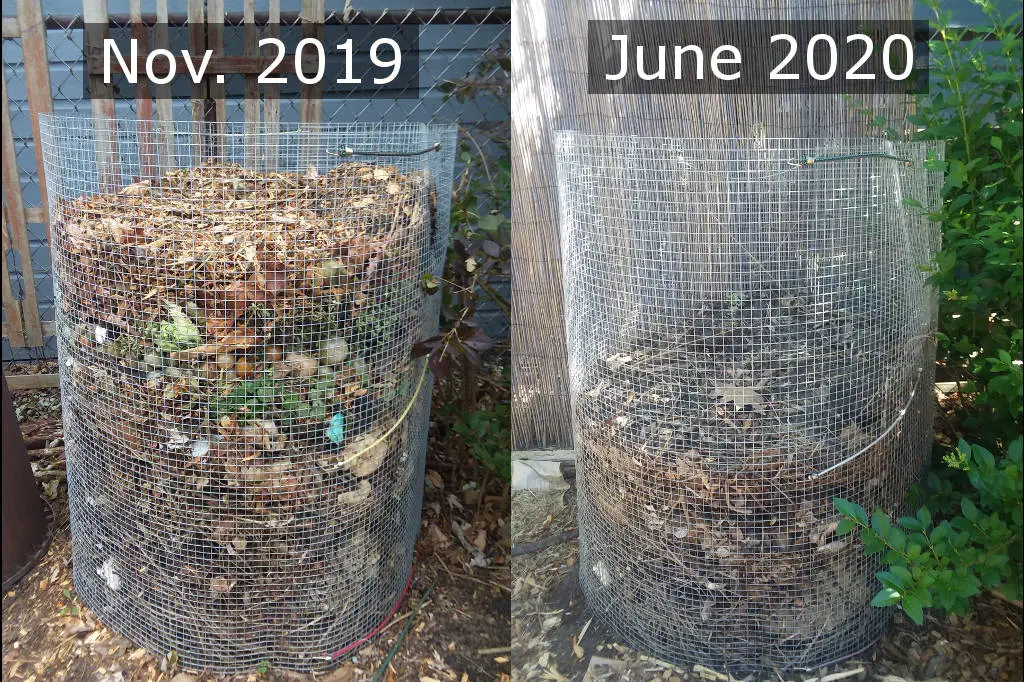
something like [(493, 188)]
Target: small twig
[(544, 543), (841, 675), (494, 650), (444, 565), (402, 617), (498, 299), (480, 153)]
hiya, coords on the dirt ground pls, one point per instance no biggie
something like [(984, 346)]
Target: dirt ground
[(459, 633), (555, 638)]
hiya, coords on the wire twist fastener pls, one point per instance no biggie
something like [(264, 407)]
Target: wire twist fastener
[(348, 151)]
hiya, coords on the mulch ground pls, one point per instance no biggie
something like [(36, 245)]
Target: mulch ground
[(555, 637), (459, 633)]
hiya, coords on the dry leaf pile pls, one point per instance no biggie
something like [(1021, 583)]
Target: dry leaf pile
[(237, 348), (700, 450)]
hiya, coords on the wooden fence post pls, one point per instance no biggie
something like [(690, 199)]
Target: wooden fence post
[(164, 112), (272, 93), (37, 82), (94, 13), (143, 98), (15, 210), (14, 330), (311, 106), (250, 39)]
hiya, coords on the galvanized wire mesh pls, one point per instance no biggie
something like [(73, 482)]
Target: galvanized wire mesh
[(244, 421), (750, 336)]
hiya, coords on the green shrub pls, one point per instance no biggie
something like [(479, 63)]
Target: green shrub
[(967, 535), (943, 561), (975, 106), (487, 434)]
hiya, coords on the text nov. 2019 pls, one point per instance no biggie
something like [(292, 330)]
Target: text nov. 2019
[(161, 65)]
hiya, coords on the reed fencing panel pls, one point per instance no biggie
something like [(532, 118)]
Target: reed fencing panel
[(549, 92)]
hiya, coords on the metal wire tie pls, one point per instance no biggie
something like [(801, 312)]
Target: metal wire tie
[(876, 441)]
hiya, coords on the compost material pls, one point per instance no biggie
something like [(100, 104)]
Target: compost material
[(51, 634), (244, 417)]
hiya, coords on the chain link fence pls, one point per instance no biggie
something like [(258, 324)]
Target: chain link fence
[(750, 336), (245, 424), (459, 49)]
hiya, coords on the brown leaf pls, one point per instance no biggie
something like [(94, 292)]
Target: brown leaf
[(360, 249), (274, 277), (218, 326), (78, 627), (435, 479), (136, 189), (577, 649), (239, 337), (220, 584), (739, 396), (364, 455), (436, 537)]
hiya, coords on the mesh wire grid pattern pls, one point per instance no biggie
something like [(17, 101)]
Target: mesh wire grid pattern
[(750, 336), (245, 423)]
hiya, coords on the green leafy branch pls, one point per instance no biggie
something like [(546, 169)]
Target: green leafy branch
[(942, 564)]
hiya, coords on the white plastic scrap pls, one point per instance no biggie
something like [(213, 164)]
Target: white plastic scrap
[(200, 448), (601, 571), (106, 571)]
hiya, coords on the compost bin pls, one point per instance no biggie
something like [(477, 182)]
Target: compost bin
[(245, 422), (750, 336)]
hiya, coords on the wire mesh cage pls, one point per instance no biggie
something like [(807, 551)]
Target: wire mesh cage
[(245, 422), (751, 336)]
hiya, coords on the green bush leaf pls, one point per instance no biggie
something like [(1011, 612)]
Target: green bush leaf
[(845, 526), (913, 607), (886, 597), (880, 522), (969, 510), (896, 539), (890, 580), (903, 576), (851, 510)]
